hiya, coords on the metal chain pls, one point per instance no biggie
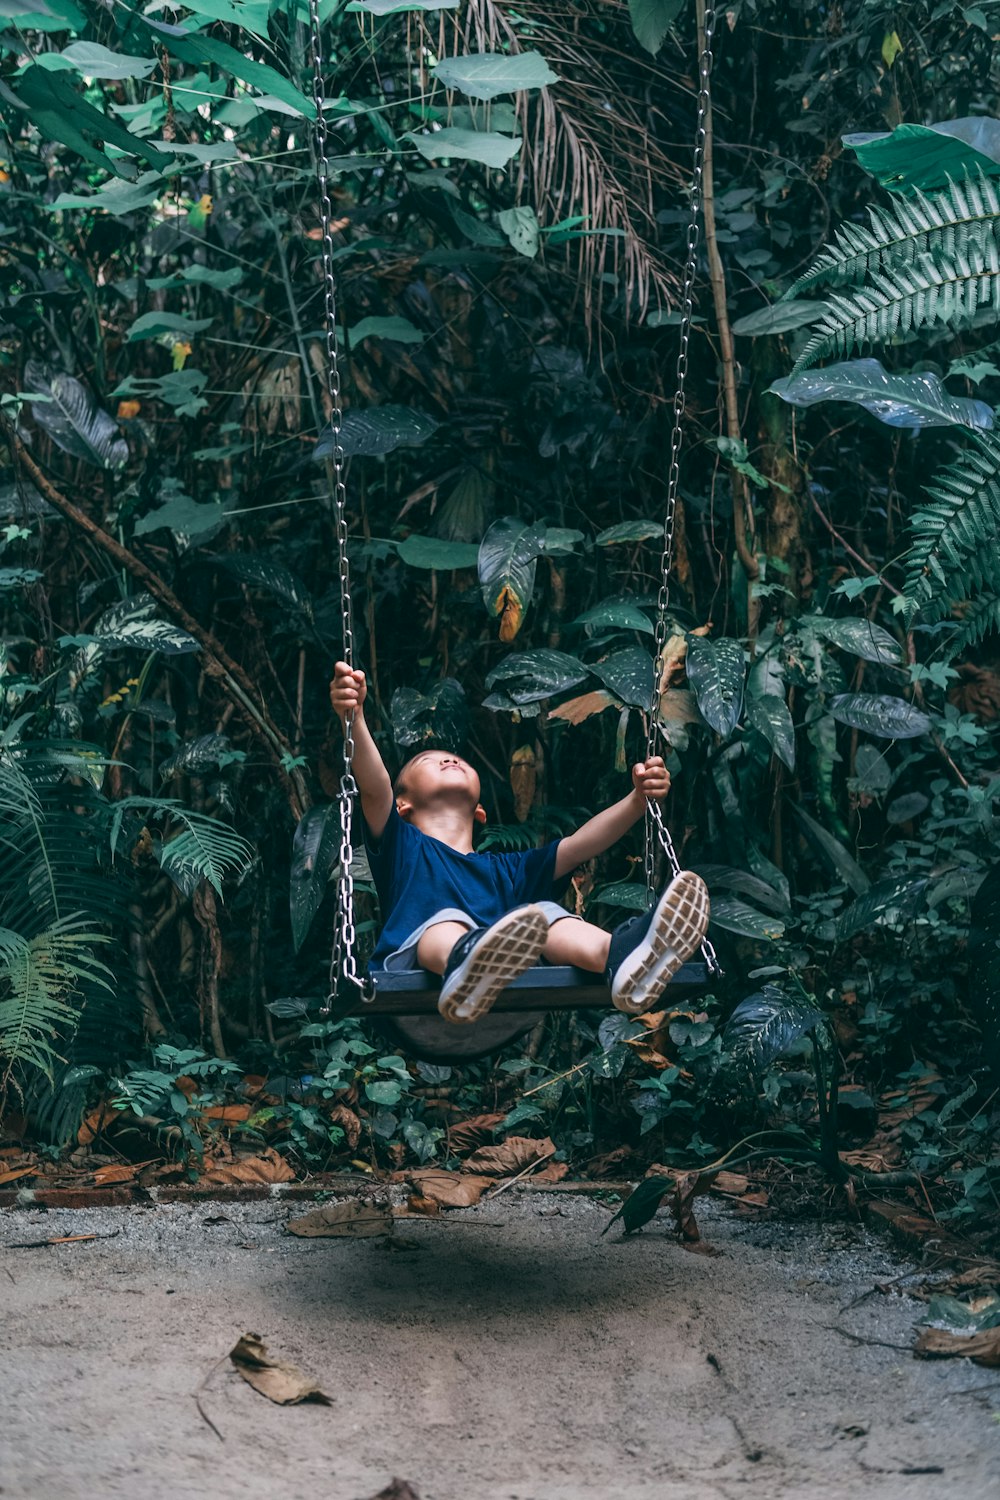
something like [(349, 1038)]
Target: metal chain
[(656, 829), (343, 957)]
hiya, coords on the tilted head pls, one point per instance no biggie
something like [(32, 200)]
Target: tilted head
[(438, 778)]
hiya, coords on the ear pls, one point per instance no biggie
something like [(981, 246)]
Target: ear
[(479, 816), (404, 808)]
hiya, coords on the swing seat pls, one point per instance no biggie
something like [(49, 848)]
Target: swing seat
[(405, 1008), (548, 987)]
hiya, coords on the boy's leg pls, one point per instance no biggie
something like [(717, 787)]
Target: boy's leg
[(573, 941), (481, 963), (436, 943)]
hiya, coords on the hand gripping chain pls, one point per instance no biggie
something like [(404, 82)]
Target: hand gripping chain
[(656, 829)]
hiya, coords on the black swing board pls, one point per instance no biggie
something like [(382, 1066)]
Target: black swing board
[(549, 987)]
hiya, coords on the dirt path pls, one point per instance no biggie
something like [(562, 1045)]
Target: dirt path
[(511, 1355)]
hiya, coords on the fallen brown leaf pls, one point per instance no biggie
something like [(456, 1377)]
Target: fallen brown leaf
[(228, 1114), (982, 1348), (117, 1172), (508, 1158), (450, 1189), (350, 1220), (687, 1186), (426, 1206), (604, 1165), (348, 1122), (553, 1171), (266, 1166), (399, 1489), (730, 1182), (17, 1172), (279, 1381), (468, 1134), (95, 1121)]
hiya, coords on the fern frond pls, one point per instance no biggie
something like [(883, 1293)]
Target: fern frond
[(981, 619), (965, 214), (935, 291), (206, 850), (955, 538), (39, 978)]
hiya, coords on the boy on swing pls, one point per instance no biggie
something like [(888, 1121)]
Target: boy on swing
[(481, 919)]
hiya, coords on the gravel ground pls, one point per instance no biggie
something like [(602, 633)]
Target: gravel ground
[(506, 1353)]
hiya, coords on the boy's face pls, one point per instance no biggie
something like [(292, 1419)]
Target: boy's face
[(436, 776)]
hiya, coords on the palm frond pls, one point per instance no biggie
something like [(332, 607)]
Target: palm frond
[(589, 149), (934, 292), (964, 214)]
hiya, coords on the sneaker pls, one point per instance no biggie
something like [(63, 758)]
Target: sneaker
[(647, 951), (483, 963)]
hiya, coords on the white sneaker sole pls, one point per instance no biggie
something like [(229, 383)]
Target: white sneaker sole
[(679, 922), (512, 946)]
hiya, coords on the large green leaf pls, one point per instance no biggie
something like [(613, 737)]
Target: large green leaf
[(390, 7), (132, 625), (435, 718), (929, 156), (262, 571), (769, 715), (629, 675), (716, 670), (60, 113), (766, 1025), (315, 849), (484, 75), (729, 878), (652, 19), (95, 61), (912, 401), (862, 637), (886, 717), (616, 614), (209, 51), (843, 862), (73, 419), (508, 555), (399, 330), (152, 325), (781, 317), (531, 676), (628, 531), (520, 225), (895, 899), (738, 917), (115, 197), (485, 146), (192, 519), (198, 275), (436, 553), (374, 430)]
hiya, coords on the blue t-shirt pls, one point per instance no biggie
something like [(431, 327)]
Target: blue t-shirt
[(417, 875)]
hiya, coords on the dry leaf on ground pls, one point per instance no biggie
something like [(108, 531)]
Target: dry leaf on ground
[(267, 1166), (450, 1189), (399, 1489), (427, 1207), (17, 1172), (553, 1171), (95, 1121), (279, 1381), (350, 1220), (982, 1348), (687, 1186), (228, 1114), (730, 1183), (348, 1122), (122, 1171), (468, 1134), (510, 1157)]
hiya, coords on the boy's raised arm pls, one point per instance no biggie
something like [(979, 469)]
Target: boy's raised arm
[(650, 781), (348, 691)]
